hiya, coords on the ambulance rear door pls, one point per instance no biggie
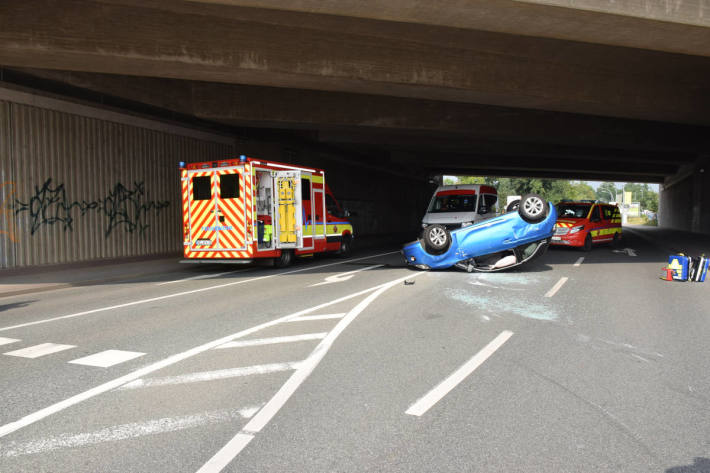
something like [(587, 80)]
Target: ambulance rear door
[(288, 209), (231, 207)]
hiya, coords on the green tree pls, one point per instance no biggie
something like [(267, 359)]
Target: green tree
[(607, 192)]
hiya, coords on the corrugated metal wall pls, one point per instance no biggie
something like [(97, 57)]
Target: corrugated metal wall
[(78, 188)]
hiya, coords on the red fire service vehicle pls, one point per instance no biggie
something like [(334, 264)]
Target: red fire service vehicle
[(586, 222), (238, 210)]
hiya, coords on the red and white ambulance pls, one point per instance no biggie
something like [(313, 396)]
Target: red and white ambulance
[(238, 210)]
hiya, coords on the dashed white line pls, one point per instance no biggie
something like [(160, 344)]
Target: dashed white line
[(307, 318), (7, 341), (420, 407), (107, 358), (185, 293), (212, 375), (40, 350), (274, 340), (556, 287), (579, 261)]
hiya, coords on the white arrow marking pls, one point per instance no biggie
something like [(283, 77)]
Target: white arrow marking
[(342, 277), (628, 251)]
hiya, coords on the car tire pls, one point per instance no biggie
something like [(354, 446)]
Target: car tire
[(533, 208), (285, 259), (345, 246), (616, 242), (587, 242), (513, 206), (437, 238)]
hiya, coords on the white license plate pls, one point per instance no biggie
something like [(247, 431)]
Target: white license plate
[(554, 238)]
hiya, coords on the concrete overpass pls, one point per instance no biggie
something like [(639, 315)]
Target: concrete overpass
[(574, 89)]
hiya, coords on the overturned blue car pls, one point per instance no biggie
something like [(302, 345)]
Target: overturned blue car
[(511, 239)]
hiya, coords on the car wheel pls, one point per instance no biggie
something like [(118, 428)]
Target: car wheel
[(587, 242), (617, 240), (437, 238), (345, 246), (514, 205), (285, 259), (533, 208)]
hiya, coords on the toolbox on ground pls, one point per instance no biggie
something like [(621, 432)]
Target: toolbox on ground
[(679, 264)]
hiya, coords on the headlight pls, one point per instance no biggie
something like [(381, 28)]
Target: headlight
[(424, 225), (466, 224), (412, 258), (576, 229)]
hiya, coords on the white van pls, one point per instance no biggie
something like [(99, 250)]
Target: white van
[(461, 205)]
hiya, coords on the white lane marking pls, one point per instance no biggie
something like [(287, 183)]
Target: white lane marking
[(442, 389), (125, 431), (7, 341), (185, 293), (556, 287), (171, 360), (579, 261), (274, 340), (39, 350), (107, 358), (203, 276), (307, 318), (342, 277), (212, 375), (227, 453)]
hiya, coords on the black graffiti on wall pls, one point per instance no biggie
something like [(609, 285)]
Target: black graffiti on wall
[(122, 207)]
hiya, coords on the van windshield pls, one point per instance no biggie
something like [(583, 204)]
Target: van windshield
[(572, 210), (453, 203)]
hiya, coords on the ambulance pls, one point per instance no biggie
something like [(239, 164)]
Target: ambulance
[(240, 210)]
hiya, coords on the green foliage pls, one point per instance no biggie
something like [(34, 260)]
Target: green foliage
[(555, 190)]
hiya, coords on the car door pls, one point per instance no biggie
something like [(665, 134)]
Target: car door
[(595, 223)]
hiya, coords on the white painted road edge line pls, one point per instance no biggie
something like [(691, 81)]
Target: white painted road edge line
[(194, 291), (227, 453), (435, 395), (579, 261), (556, 287), (202, 276), (171, 360)]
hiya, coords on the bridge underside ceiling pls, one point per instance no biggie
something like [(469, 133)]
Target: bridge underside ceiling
[(511, 88)]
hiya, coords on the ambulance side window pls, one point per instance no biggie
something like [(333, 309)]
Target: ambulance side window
[(201, 188), (229, 186), (305, 189)]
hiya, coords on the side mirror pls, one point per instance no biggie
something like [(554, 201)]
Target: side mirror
[(482, 209), (346, 213)]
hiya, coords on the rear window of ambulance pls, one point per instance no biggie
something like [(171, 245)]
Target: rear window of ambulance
[(201, 188), (229, 186)]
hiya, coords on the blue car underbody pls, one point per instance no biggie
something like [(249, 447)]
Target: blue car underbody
[(505, 232)]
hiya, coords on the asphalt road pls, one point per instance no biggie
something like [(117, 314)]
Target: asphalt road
[(565, 365)]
